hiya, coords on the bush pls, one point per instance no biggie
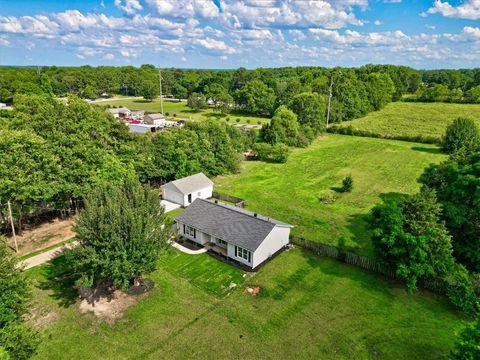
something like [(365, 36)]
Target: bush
[(467, 346), (259, 122), (347, 184), (463, 133), (174, 115), (167, 114), (271, 153), (237, 120), (460, 291), (248, 121), (227, 119), (122, 231)]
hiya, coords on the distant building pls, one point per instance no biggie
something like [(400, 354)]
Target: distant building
[(154, 119), (2, 105), (185, 190), (142, 128), (137, 114), (120, 113)]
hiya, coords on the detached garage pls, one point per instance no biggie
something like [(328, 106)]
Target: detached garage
[(184, 191)]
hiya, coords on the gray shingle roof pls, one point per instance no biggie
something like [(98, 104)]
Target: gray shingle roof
[(229, 223), (191, 183)]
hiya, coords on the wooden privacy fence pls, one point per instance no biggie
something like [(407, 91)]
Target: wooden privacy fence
[(233, 199), (434, 285)]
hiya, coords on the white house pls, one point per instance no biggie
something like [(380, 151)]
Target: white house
[(2, 105), (184, 191), (244, 236), (121, 112), (142, 128)]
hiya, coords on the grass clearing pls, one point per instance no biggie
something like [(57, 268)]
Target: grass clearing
[(309, 307), (182, 111), (293, 191), (413, 119)]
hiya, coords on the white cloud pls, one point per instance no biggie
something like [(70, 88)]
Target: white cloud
[(297, 34), (470, 9), (214, 46), (4, 41), (378, 22), (129, 7), (109, 57), (184, 8)]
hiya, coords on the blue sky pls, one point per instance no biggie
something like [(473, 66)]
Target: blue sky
[(249, 33)]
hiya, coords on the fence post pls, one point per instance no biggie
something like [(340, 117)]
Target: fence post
[(13, 226)]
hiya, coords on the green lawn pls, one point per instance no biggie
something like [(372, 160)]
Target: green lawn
[(308, 307), (183, 111), (292, 192), (413, 119)]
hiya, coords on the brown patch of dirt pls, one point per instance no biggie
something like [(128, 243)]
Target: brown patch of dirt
[(43, 236), (252, 290), (40, 319), (105, 304)]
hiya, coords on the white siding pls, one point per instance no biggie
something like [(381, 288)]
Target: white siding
[(200, 237), (204, 193), (231, 254), (274, 241), (169, 193)]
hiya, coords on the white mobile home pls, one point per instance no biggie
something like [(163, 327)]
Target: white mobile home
[(244, 236), (184, 191)]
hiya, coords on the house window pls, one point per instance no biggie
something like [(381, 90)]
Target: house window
[(221, 242), (189, 230), (243, 253)]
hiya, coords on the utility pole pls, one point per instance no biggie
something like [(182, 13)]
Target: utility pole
[(160, 83), (329, 100), (13, 226)]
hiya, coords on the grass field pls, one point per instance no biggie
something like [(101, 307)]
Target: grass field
[(413, 119), (308, 307), (293, 192), (183, 111)]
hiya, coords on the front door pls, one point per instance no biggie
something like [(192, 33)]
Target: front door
[(189, 198)]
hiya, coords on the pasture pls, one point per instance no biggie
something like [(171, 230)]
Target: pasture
[(182, 111), (305, 191), (308, 307), (414, 119)]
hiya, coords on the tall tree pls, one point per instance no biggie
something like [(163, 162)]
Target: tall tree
[(310, 109), (283, 128), (409, 237), (122, 231), (17, 339), (256, 97), (463, 133)]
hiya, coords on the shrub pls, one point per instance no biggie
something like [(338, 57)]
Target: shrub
[(237, 120), (460, 291), (347, 184), (271, 153), (248, 121), (174, 115), (259, 122), (227, 119), (167, 114), (122, 232), (463, 133), (468, 345)]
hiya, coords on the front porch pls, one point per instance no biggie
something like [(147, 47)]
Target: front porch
[(216, 248)]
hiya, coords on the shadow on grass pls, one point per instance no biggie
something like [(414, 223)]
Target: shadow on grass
[(214, 115), (57, 278), (143, 101), (337, 189), (392, 196), (429, 150)]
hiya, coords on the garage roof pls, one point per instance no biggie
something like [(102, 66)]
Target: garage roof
[(190, 184)]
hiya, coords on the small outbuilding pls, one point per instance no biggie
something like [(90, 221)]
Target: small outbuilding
[(154, 119), (184, 191), (246, 237), (119, 113)]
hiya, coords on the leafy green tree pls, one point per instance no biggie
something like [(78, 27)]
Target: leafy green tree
[(380, 90), (467, 346), (310, 109), (283, 128), (409, 238), (457, 184), (17, 339), (473, 95), (29, 171), (179, 91), (256, 98), (122, 232), (463, 133), (149, 90), (196, 101), (347, 184), (223, 103)]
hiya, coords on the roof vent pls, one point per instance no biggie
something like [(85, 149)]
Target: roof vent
[(255, 214)]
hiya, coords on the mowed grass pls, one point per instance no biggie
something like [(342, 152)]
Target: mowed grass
[(293, 192), (414, 119), (182, 111), (308, 307)]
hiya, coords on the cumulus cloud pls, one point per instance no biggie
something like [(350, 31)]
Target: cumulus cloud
[(184, 8), (129, 7), (470, 9), (214, 47)]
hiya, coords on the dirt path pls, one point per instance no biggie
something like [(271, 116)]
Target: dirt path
[(43, 236)]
